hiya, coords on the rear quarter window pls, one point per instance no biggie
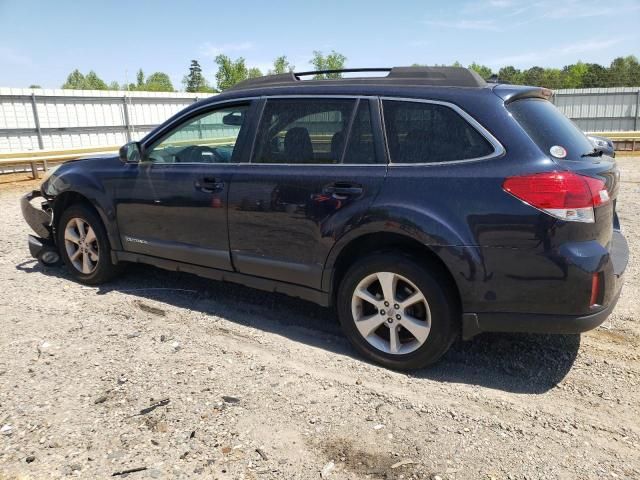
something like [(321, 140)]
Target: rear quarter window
[(421, 132), (548, 127)]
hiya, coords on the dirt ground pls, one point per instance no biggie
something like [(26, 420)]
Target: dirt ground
[(181, 377)]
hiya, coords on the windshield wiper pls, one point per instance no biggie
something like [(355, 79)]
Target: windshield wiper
[(593, 153)]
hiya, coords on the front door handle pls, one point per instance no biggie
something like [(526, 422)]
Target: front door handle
[(344, 188), (209, 184)]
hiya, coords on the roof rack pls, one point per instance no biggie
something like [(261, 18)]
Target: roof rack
[(343, 70), (431, 76)]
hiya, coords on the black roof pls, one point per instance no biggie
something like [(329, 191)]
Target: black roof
[(397, 76)]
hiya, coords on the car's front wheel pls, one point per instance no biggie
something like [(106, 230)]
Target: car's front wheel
[(84, 245), (396, 311)]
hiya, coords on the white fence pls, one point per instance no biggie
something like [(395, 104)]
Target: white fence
[(42, 119), (614, 109)]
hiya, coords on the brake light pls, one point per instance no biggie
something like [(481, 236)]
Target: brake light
[(565, 195)]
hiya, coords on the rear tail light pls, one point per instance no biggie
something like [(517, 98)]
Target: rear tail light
[(565, 195)]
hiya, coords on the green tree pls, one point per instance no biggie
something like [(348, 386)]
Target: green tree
[(93, 82), (140, 82), (158, 82), (333, 61), (634, 71), (281, 65), (254, 72), (35, 86), (230, 71), (75, 81), (595, 76), (195, 81), (510, 74), (533, 76), (551, 78), (114, 85), (484, 71), (573, 75), (624, 72)]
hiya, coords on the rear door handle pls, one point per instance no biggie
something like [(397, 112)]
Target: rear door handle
[(344, 188), (209, 184)]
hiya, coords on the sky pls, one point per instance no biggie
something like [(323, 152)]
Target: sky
[(42, 41)]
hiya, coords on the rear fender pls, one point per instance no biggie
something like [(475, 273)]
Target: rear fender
[(464, 262)]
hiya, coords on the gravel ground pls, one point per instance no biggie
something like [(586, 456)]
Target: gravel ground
[(184, 377)]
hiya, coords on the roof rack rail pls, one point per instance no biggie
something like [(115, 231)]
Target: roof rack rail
[(342, 70), (432, 76)]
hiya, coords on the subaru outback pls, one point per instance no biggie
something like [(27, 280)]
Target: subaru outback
[(423, 205)]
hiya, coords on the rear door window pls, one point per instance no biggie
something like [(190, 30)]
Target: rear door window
[(549, 128), (420, 132), (303, 131), (361, 149)]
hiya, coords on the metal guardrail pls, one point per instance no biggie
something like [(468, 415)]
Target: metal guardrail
[(43, 157), (623, 142)]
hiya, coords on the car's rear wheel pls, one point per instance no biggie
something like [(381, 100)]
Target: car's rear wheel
[(397, 312), (84, 246)]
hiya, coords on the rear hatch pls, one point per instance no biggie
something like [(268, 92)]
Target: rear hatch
[(564, 143)]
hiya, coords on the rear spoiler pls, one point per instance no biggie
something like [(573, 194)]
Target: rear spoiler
[(511, 93)]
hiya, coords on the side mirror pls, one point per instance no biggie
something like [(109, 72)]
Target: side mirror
[(234, 119), (130, 153)]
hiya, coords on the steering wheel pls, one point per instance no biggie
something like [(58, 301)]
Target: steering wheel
[(194, 154)]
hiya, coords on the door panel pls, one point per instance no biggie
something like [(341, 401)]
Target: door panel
[(162, 212), (174, 204), (283, 220), (307, 188)]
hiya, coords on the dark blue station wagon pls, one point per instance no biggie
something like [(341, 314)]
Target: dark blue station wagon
[(423, 205)]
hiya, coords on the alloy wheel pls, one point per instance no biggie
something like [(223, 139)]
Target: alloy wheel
[(81, 245), (391, 313)]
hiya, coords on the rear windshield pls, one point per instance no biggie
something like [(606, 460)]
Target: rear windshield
[(548, 127)]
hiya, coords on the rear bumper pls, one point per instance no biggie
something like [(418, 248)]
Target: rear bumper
[(37, 218), (612, 265), (474, 324)]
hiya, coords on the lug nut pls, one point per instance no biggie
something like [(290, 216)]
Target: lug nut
[(386, 304), (382, 312), (390, 320), (396, 306), (398, 317)]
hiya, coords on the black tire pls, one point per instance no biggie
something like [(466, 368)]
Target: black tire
[(432, 282), (103, 270)]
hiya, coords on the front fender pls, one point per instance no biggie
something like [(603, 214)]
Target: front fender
[(63, 185)]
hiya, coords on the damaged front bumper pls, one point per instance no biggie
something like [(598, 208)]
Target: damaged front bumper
[(39, 219)]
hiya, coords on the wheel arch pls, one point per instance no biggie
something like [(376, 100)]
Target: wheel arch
[(67, 198)]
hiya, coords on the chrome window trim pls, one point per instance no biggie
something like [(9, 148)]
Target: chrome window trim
[(498, 149), (266, 98)]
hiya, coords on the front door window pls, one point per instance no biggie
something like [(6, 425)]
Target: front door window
[(208, 138)]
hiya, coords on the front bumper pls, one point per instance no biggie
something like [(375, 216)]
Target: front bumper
[(612, 265), (37, 245), (37, 218)]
